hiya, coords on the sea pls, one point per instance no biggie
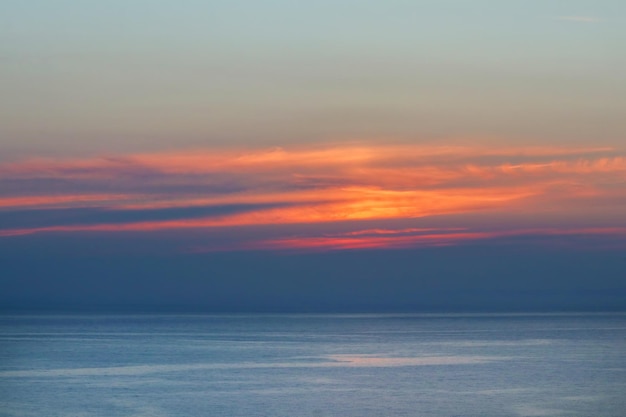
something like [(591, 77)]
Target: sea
[(282, 365)]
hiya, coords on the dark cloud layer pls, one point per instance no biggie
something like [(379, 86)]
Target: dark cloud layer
[(504, 275), (33, 218)]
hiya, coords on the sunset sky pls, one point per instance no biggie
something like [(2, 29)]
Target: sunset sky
[(313, 156)]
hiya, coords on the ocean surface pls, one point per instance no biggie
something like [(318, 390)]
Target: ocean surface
[(313, 365)]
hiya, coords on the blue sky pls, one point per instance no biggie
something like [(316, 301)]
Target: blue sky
[(87, 76)]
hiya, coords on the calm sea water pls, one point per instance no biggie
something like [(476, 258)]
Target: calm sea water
[(306, 365)]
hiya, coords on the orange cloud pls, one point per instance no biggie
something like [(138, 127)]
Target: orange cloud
[(343, 157), (350, 204), (324, 184)]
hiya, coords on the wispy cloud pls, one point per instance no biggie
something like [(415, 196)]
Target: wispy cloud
[(411, 238), (330, 184)]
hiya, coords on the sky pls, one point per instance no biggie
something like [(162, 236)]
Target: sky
[(344, 155)]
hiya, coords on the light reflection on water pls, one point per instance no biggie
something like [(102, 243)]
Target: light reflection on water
[(313, 365)]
